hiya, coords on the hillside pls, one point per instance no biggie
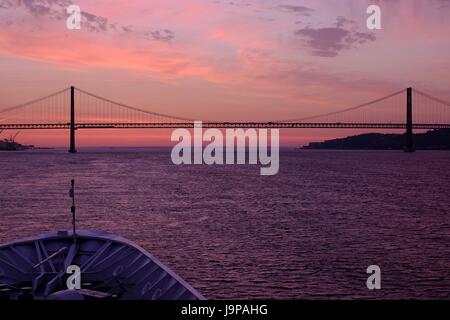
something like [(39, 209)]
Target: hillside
[(431, 140)]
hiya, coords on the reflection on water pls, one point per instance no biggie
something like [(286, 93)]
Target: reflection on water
[(309, 232)]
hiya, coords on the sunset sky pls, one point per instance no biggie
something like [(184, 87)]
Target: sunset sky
[(223, 60)]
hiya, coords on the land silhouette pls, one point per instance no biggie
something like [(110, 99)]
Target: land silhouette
[(431, 140)]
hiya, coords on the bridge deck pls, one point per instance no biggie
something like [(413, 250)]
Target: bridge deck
[(273, 125)]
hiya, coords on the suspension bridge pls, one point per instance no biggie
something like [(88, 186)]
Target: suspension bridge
[(74, 109)]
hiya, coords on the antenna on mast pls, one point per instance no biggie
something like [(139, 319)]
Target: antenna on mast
[(72, 209)]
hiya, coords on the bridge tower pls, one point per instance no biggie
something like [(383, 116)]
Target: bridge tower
[(72, 120), (409, 121)]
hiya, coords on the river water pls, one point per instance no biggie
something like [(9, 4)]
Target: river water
[(309, 232)]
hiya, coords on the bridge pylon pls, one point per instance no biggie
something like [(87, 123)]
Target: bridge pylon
[(409, 147), (72, 120)]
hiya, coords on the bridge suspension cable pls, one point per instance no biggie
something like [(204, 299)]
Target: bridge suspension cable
[(429, 109), (127, 107), (341, 111), (94, 111), (28, 103)]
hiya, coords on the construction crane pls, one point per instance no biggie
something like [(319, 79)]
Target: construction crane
[(12, 138)]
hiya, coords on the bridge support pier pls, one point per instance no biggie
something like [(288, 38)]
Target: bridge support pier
[(72, 120), (409, 147)]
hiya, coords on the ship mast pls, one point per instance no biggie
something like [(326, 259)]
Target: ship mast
[(72, 209)]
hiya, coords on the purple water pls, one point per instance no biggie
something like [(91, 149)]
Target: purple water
[(309, 232)]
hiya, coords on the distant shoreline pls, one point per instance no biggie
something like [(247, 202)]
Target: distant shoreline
[(433, 140)]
